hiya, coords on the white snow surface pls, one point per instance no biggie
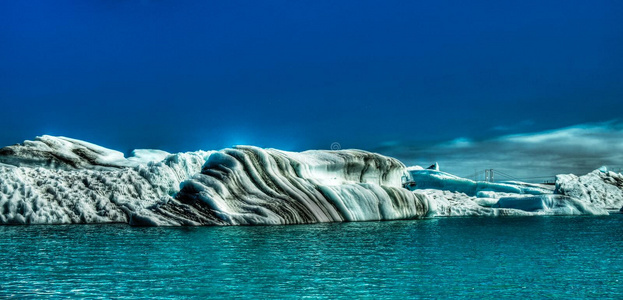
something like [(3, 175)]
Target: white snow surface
[(58, 180)]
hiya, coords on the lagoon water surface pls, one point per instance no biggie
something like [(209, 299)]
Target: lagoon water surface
[(570, 257)]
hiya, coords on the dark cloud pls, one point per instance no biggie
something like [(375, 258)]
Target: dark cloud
[(530, 156)]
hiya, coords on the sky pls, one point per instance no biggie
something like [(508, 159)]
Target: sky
[(459, 82)]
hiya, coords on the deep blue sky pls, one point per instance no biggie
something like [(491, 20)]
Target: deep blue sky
[(184, 75)]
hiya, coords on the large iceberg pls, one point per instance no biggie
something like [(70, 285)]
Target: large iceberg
[(58, 180), (249, 185)]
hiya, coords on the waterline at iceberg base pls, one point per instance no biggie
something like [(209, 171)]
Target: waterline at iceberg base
[(58, 180)]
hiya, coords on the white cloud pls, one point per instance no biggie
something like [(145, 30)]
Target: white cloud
[(530, 156), (457, 143)]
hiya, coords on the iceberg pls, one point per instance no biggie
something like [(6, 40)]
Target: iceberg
[(248, 185), (601, 188), (435, 179), (59, 180)]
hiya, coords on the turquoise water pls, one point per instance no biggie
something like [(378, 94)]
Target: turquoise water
[(570, 257)]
